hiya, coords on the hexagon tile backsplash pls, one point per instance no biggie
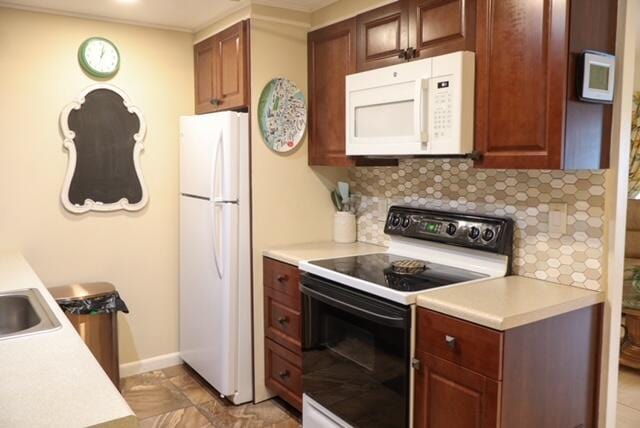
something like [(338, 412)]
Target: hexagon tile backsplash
[(574, 258)]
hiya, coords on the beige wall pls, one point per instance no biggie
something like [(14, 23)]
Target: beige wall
[(136, 251), (291, 201), (221, 24), (257, 11), (636, 85)]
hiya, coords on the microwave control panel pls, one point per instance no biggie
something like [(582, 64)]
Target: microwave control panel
[(441, 107)]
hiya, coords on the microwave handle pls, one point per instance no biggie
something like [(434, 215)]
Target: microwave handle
[(423, 104)]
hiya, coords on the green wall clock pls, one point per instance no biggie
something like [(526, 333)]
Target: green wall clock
[(99, 57)]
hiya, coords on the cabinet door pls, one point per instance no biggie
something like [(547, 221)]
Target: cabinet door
[(450, 396), (521, 86), (231, 67), (204, 53), (382, 36), (439, 27), (331, 57)]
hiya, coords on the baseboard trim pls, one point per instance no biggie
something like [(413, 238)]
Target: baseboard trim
[(150, 364)]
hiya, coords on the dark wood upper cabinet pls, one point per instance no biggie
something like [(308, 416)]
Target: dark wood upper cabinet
[(331, 56), (373, 39), (382, 36), (437, 27), (232, 73), (527, 112), (409, 29), (221, 70), (204, 78)]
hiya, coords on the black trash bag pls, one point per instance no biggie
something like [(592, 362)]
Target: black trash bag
[(97, 305)]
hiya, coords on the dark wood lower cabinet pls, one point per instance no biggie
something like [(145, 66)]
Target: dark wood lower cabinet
[(547, 376), (284, 373), (283, 331), (449, 396)]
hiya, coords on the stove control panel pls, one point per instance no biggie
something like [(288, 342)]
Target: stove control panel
[(478, 231)]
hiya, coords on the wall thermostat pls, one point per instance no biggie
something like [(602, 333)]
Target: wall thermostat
[(595, 77)]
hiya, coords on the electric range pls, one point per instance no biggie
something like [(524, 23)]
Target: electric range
[(359, 312)]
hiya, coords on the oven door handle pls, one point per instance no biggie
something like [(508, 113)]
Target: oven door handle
[(355, 310)]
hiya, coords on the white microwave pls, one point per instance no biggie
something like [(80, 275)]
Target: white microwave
[(422, 107)]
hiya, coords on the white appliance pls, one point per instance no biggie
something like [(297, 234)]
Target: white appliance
[(215, 281), (359, 312), (422, 107)]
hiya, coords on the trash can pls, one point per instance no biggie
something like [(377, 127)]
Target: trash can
[(92, 309)]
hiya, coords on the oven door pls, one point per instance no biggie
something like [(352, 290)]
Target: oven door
[(356, 354)]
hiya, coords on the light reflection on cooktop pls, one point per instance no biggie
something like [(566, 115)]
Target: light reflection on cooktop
[(378, 269)]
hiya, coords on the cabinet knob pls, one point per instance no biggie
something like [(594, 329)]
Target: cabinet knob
[(282, 278), (450, 340), (216, 102), (411, 53), (283, 320), (284, 374), (403, 54)]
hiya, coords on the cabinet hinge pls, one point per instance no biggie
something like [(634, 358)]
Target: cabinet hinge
[(415, 363)]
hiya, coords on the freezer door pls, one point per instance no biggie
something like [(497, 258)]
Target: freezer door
[(209, 156), (209, 290)]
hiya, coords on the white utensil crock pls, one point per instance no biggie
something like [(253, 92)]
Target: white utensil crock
[(344, 227)]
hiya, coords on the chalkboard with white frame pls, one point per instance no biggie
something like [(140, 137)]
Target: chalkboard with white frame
[(103, 134)]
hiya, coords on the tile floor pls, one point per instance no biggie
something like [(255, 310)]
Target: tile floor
[(178, 397), (628, 398)]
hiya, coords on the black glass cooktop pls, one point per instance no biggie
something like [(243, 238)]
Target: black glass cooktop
[(398, 273)]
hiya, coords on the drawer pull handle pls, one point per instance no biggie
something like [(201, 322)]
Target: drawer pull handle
[(282, 279), (451, 341), (284, 374), (283, 320)]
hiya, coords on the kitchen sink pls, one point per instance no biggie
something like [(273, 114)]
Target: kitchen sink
[(25, 312)]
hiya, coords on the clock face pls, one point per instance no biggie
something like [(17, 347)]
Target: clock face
[(99, 57)]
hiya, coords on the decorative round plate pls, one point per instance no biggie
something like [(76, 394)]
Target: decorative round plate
[(282, 115)]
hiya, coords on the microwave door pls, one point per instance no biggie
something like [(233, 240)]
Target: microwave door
[(386, 120)]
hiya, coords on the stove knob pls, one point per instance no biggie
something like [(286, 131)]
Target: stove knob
[(474, 233), (451, 229), (405, 222), (488, 234), (395, 220)]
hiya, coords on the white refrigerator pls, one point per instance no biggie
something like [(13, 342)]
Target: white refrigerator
[(215, 261)]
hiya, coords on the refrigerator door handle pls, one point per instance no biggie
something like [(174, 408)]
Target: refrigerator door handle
[(214, 208), (215, 237), (214, 167)]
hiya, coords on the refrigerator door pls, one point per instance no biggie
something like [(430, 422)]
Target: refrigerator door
[(209, 165), (209, 290)]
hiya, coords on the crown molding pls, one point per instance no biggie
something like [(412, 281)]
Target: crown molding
[(292, 5)]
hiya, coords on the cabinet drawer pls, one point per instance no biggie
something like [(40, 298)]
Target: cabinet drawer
[(284, 373), (469, 345), (282, 277), (283, 323)]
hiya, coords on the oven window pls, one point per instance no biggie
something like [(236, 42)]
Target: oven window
[(394, 119), (356, 368), (350, 342)]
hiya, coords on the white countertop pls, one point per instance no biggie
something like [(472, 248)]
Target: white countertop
[(508, 302), (52, 379), (294, 254)]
